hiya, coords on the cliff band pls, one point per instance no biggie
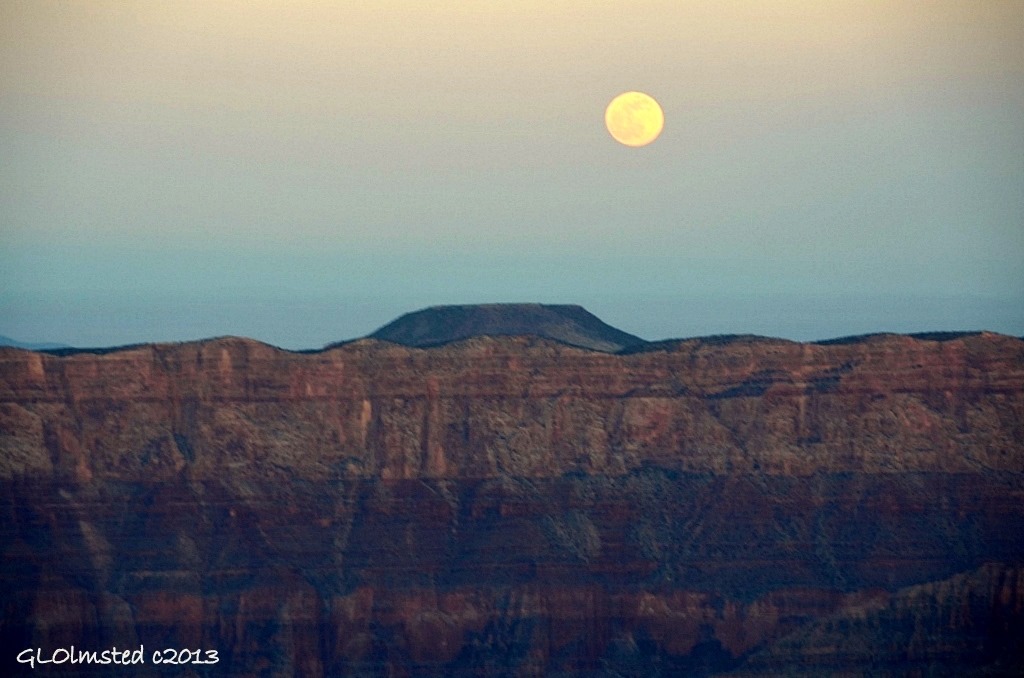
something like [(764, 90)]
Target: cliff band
[(517, 506)]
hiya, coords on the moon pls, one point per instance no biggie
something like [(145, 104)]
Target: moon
[(634, 119)]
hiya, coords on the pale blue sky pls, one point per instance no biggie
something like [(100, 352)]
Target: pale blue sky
[(303, 172)]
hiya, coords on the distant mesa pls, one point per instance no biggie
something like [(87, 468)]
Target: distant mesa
[(37, 346), (568, 324)]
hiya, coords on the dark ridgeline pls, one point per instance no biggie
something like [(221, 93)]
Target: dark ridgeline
[(508, 505), (28, 345)]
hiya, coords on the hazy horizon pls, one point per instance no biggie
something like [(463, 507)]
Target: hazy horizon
[(792, 319), (304, 173)]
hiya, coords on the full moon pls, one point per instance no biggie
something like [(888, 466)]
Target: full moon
[(634, 119)]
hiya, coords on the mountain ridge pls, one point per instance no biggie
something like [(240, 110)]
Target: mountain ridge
[(645, 347), (567, 324), (6, 341)]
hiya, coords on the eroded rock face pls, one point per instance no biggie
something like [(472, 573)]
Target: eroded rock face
[(514, 506)]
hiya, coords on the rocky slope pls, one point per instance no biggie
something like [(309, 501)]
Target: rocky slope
[(516, 506)]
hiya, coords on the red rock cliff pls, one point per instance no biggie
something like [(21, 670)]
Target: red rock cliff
[(512, 505)]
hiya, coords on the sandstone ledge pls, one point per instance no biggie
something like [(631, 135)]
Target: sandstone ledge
[(516, 406)]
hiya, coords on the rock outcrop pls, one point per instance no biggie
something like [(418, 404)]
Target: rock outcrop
[(517, 506)]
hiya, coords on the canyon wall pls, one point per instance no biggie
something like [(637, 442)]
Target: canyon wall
[(514, 506)]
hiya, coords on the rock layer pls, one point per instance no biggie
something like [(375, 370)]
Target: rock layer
[(510, 505)]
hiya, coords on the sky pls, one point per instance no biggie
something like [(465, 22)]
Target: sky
[(303, 172)]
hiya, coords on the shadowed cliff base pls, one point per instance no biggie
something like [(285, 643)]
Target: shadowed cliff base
[(652, 573)]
